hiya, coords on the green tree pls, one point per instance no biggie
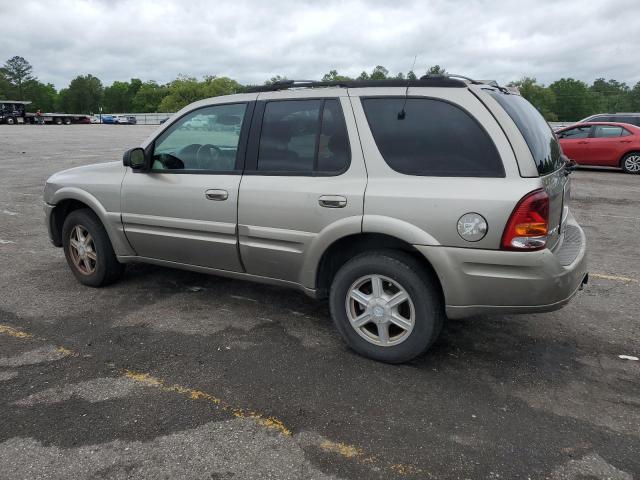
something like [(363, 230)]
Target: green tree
[(436, 70), (333, 76), (573, 99), (379, 73), (610, 96), (17, 71), (42, 96), (213, 86), (148, 97), (277, 78), (411, 75), (117, 98), (634, 98), (84, 95), (363, 76), (181, 92)]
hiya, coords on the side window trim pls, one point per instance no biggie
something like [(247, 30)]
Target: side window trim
[(253, 142), (242, 142)]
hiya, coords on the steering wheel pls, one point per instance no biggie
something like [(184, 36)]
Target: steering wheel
[(206, 155)]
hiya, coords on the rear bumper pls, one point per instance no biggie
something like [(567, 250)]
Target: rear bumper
[(478, 282)]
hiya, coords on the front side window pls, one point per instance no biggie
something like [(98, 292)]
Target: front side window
[(607, 131), (203, 140), (578, 132), (428, 137), (302, 137)]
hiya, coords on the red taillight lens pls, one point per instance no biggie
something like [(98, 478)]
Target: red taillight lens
[(528, 225)]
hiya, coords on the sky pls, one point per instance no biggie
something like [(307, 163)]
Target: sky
[(252, 41)]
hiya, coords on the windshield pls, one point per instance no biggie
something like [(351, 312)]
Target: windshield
[(534, 128)]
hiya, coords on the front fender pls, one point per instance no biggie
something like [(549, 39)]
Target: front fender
[(111, 221)]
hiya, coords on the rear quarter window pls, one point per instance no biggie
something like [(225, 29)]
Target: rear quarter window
[(541, 140), (431, 138)]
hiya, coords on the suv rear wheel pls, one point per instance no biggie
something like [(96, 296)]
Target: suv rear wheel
[(386, 306), (88, 250)]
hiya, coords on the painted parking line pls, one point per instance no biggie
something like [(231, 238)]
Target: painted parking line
[(613, 277), (343, 450)]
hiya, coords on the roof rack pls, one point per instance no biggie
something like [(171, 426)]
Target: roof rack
[(18, 102), (426, 81)]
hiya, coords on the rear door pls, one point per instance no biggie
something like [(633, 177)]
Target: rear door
[(184, 210), (304, 179), (575, 143)]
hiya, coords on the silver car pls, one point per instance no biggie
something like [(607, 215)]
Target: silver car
[(402, 202)]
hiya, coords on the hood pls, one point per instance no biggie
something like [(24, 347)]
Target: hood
[(88, 178)]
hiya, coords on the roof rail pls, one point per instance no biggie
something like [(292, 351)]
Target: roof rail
[(426, 81)]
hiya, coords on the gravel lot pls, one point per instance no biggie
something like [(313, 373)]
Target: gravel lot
[(179, 375)]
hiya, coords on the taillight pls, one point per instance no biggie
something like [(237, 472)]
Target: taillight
[(528, 225)]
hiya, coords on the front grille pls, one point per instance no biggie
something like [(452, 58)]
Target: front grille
[(571, 245)]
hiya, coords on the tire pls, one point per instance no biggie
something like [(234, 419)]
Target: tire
[(10, 121), (424, 303), (67, 121), (57, 121), (630, 163), (106, 268)]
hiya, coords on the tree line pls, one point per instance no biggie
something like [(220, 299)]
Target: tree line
[(567, 99)]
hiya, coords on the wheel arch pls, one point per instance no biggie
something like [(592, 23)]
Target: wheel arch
[(625, 154), (68, 199), (345, 248)]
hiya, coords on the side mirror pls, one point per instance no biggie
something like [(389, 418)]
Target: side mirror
[(134, 158)]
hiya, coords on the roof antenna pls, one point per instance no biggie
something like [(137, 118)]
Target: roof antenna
[(402, 113)]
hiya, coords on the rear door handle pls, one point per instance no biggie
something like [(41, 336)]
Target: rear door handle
[(332, 201), (215, 194), (625, 141), (583, 141)]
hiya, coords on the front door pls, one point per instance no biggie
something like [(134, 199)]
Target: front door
[(575, 143), (184, 209)]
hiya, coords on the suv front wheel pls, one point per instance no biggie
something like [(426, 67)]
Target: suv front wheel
[(386, 306), (88, 250)]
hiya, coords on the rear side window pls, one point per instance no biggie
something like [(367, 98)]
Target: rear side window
[(303, 137), (534, 128), (432, 138), (606, 131)]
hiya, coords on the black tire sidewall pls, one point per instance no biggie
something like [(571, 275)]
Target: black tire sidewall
[(420, 287), (104, 251)]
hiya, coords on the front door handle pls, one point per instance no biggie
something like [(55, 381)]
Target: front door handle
[(215, 194), (332, 201), (583, 141)]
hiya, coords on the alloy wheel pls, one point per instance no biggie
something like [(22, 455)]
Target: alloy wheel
[(82, 250), (632, 163), (380, 310)]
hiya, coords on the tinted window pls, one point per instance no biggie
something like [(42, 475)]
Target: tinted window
[(432, 138), (303, 136), (578, 132), (205, 139), (604, 131), (333, 144), (536, 131)]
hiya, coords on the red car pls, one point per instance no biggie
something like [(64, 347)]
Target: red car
[(604, 144)]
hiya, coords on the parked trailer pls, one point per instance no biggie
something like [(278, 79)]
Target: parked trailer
[(57, 118), (13, 112)]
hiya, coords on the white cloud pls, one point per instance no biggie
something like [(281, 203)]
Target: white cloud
[(253, 40)]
